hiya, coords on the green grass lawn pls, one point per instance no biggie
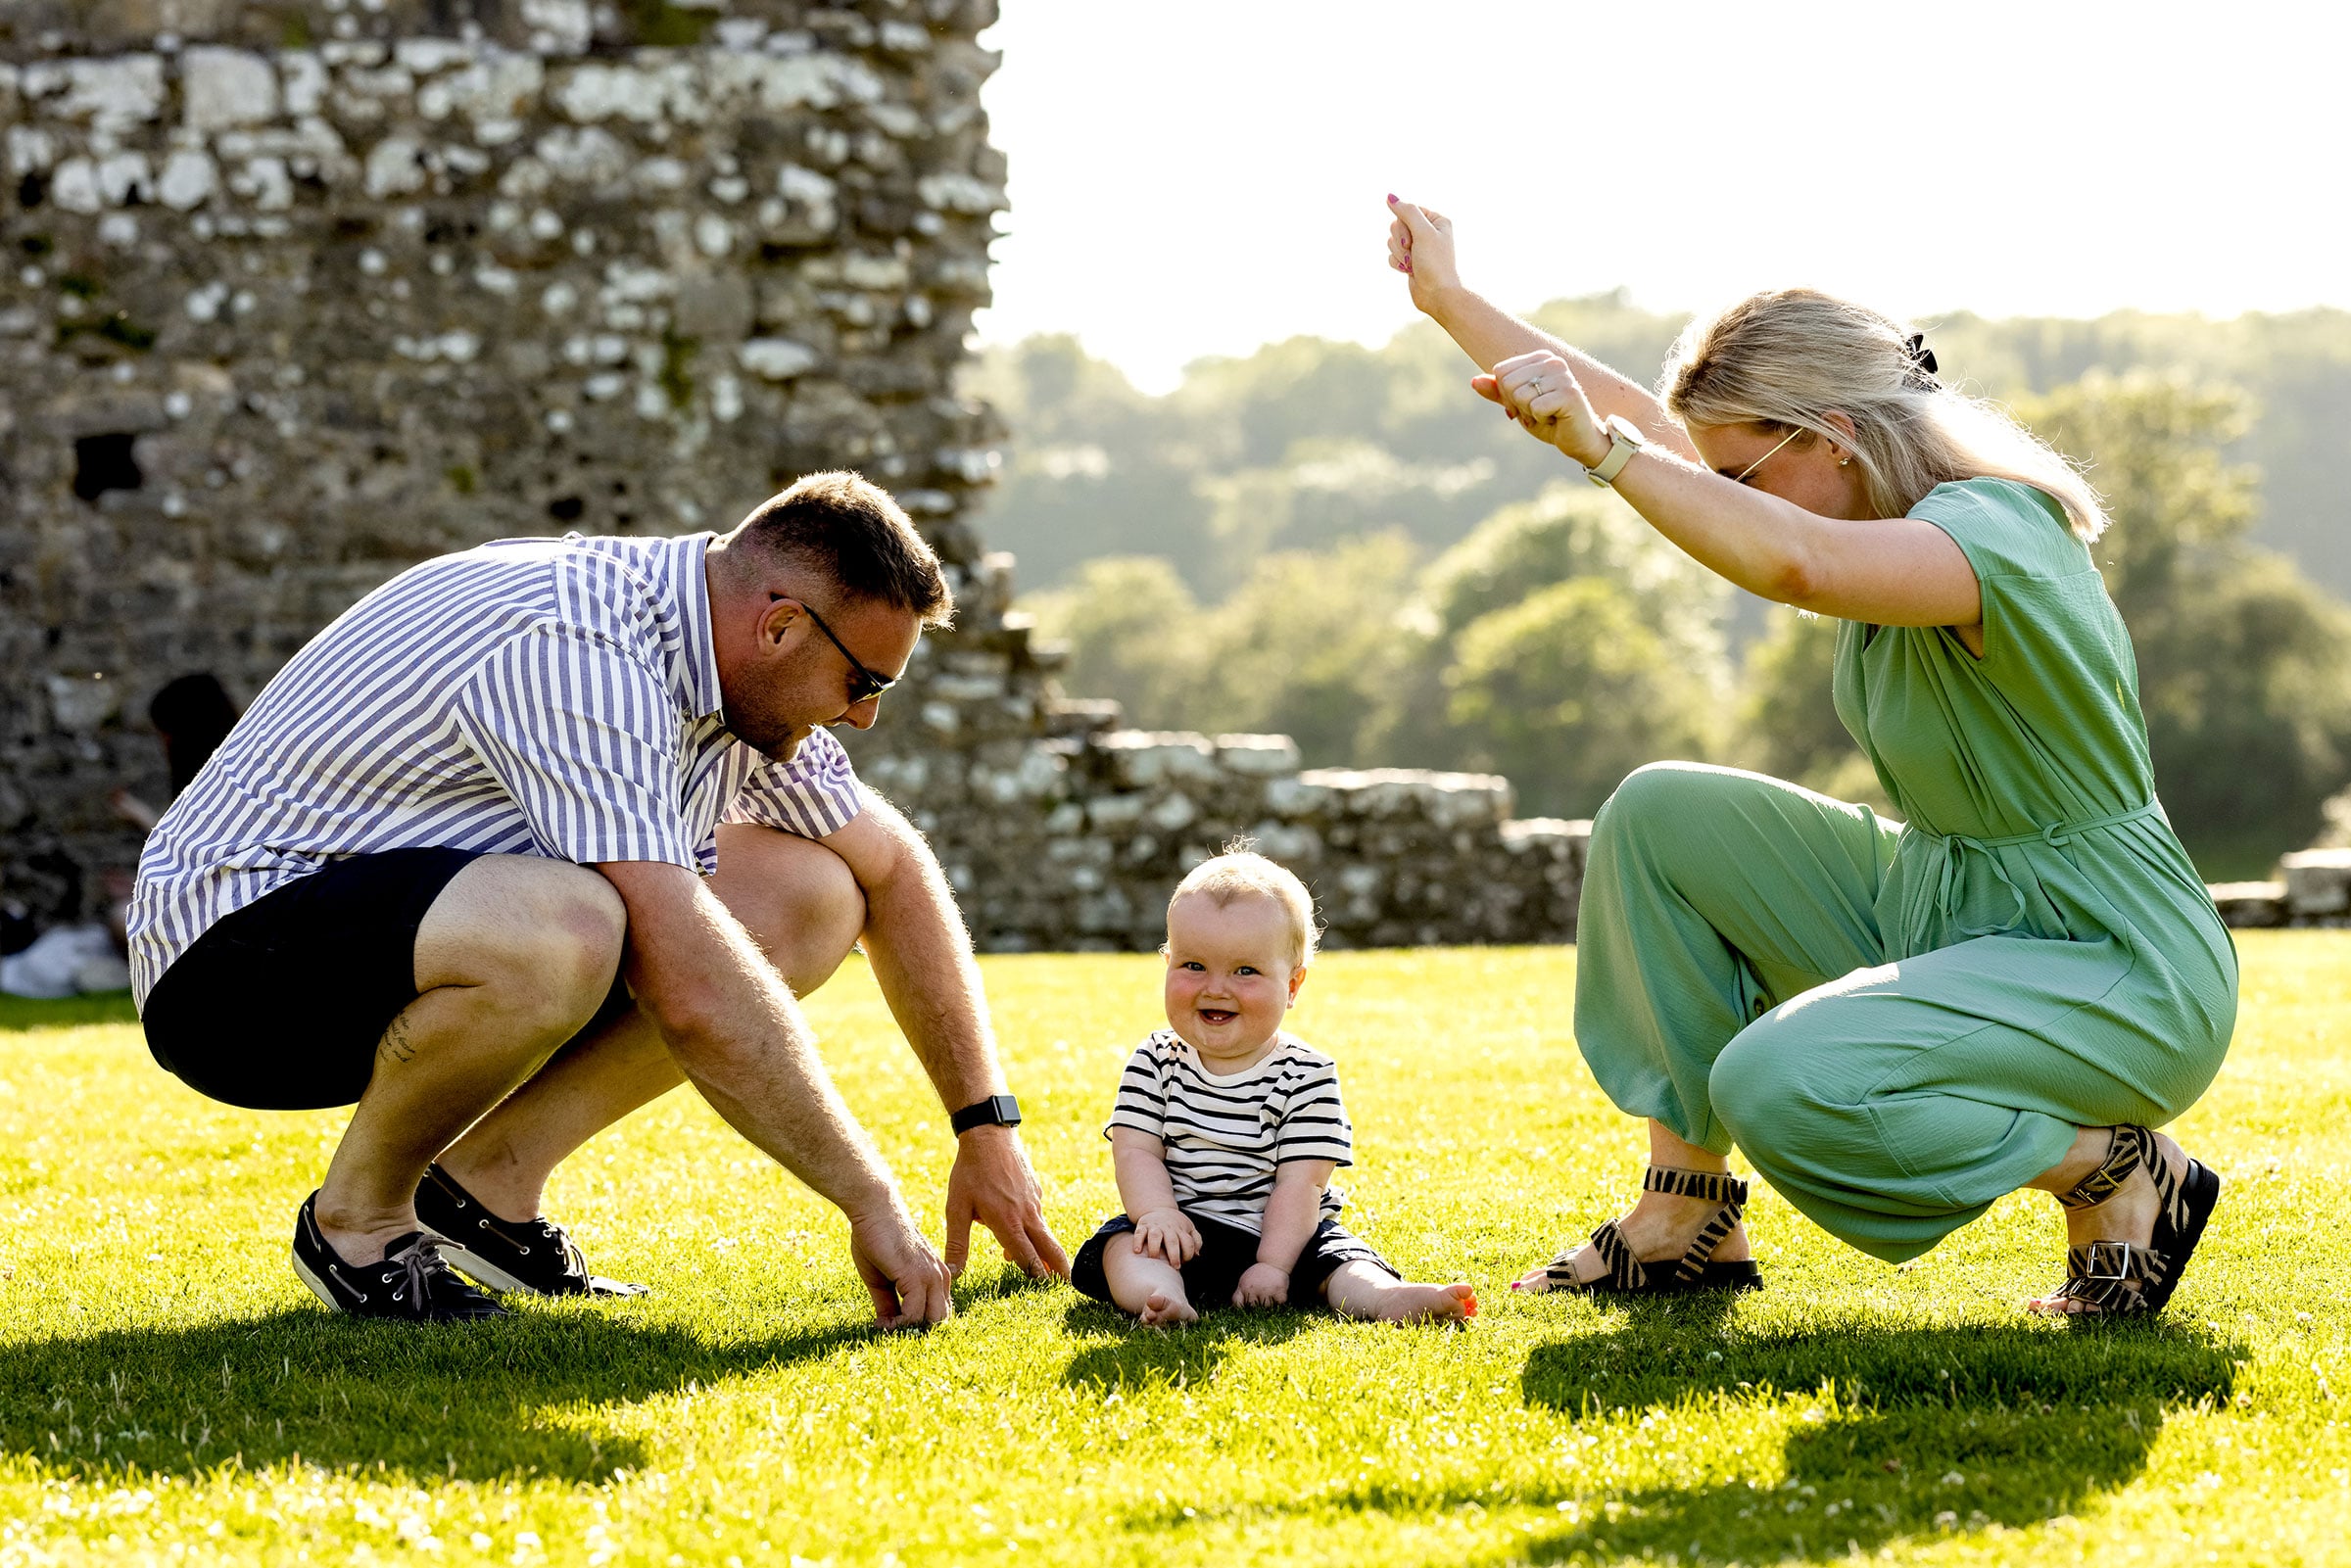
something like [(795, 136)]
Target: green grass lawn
[(170, 1392)]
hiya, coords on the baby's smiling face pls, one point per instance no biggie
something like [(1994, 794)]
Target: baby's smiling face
[(1232, 974)]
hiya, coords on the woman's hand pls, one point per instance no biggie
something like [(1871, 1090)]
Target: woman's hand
[(1421, 247), (1166, 1234), (1540, 392)]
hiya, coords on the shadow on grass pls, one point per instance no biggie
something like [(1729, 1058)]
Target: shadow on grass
[(20, 1015), (1905, 1432), (479, 1402), (1125, 1354), (980, 1284), (1918, 1430)]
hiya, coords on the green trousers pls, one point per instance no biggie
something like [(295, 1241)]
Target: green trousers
[(1744, 976)]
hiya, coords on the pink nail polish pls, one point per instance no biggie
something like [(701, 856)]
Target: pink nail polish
[(1407, 266), (1391, 198)]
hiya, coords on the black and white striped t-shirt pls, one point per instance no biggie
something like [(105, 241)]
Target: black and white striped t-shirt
[(534, 697), (1225, 1136)]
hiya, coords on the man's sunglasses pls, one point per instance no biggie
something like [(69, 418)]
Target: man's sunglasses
[(863, 683)]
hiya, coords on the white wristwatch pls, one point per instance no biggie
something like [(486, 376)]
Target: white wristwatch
[(1625, 439)]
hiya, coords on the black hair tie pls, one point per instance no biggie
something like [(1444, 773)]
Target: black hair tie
[(1922, 359)]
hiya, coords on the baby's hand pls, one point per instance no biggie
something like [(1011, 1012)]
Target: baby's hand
[(1164, 1233), (1263, 1286)]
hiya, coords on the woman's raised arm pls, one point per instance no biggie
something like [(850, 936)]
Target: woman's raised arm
[(1888, 571), (1420, 246)]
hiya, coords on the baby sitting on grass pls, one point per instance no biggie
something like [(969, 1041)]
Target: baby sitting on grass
[(1227, 1130)]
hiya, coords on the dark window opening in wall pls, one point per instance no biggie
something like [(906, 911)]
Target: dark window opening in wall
[(105, 463), (566, 509), (31, 190)]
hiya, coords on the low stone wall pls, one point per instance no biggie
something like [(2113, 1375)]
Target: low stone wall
[(2313, 888), (1073, 841)]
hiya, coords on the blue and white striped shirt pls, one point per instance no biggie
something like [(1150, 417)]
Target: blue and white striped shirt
[(1225, 1137), (534, 697)]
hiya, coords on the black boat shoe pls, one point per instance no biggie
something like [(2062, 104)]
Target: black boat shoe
[(412, 1284), (533, 1256)]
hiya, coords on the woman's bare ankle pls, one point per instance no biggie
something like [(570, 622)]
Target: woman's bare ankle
[(1669, 1150), (2130, 1214), (1661, 1226)]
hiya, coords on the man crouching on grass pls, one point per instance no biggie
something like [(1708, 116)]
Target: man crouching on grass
[(535, 833)]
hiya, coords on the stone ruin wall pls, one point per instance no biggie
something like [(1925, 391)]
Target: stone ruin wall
[(298, 292)]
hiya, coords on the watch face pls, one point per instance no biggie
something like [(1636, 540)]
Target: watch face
[(996, 1111)]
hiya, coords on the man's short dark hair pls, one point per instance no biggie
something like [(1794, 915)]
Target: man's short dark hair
[(851, 532)]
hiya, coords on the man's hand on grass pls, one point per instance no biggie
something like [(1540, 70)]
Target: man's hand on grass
[(992, 1183), (1263, 1285), (910, 1286), (1167, 1235)]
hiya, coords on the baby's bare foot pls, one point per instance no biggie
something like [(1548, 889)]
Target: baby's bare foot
[(1160, 1309), (1425, 1304)]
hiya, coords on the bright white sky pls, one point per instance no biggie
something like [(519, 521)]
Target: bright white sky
[(1196, 178)]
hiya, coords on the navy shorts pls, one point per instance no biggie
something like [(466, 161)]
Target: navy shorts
[(1225, 1253), (279, 1006)]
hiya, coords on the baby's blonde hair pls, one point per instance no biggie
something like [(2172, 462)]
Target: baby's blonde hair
[(1240, 872)]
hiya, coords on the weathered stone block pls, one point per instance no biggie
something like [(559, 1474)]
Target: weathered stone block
[(224, 87), (2318, 881), (2251, 904), (1108, 812), (1258, 755), (1141, 759), (1297, 797), (1546, 836)]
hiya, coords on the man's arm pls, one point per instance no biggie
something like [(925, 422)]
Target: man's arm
[(921, 958), (738, 1035)]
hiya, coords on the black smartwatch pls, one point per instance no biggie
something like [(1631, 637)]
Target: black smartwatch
[(996, 1111)]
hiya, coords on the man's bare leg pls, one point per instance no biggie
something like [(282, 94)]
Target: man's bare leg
[(511, 959), (800, 904)]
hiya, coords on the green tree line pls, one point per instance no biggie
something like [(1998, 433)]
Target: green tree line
[(1342, 543)]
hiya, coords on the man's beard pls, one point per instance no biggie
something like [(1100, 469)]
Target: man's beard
[(776, 742), (763, 729)]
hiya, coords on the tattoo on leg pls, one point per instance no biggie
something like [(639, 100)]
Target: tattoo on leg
[(396, 1043)]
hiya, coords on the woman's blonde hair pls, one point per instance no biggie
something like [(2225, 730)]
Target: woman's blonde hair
[(1785, 359)]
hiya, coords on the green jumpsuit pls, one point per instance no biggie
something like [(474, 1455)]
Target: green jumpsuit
[(1900, 1022)]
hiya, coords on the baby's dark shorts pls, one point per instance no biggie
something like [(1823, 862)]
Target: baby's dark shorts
[(1225, 1253)]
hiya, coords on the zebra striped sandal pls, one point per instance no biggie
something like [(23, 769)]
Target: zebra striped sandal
[(1695, 1271), (2118, 1278)]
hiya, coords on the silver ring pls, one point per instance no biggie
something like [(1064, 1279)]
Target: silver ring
[(1536, 386)]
